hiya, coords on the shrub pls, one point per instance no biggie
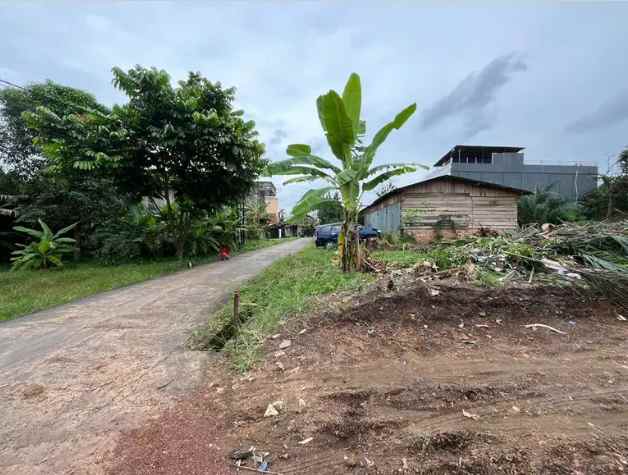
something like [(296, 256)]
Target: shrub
[(546, 207), (138, 234), (48, 248)]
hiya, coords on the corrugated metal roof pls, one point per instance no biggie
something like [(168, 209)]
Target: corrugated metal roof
[(446, 176)]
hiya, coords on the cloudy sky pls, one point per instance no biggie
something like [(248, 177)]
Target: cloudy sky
[(551, 78)]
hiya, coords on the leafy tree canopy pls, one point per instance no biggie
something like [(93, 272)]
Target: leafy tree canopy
[(186, 142), (610, 199), (18, 151)]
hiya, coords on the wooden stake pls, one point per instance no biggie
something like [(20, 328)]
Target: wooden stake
[(236, 307)]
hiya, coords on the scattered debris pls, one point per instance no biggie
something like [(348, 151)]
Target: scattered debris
[(306, 441), (541, 325), (275, 336), (470, 415), (271, 411), (285, 344), (301, 405), (274, 408), (280, 366), (302, 331), (592, 254), (261, 461), (621, 318)]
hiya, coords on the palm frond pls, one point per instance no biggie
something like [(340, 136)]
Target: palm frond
[(371, 184)]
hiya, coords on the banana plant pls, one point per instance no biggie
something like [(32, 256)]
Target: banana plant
[(47, 248), (352, 174)]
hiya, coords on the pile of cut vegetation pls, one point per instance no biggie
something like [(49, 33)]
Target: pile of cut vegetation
[(593, 255)]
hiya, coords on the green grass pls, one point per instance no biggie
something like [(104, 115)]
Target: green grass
[(284, 289), (443, 257), (399, 257), (24, 292)]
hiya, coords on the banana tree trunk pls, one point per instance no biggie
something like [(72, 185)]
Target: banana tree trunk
[(349, 244)]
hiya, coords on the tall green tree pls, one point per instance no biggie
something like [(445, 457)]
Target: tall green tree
[(610, 199), (353, 173), (330, 211), (19, 150), (183, 144)]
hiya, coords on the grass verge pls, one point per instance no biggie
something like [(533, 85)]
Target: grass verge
[(443, 257), (284, 289), (24, 292)]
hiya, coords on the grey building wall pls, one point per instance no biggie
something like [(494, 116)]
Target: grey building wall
[(509, 169), (386, 219)]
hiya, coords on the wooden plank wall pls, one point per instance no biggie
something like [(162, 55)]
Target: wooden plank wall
[(469, 207)]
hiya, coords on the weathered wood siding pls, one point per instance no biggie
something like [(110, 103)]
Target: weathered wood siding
[(450, 208)]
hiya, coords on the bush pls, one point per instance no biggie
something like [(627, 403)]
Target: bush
[(47, 249), (547, 207), (395, 239), (138, 234)]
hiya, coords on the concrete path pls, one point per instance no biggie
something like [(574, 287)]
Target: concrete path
[(73, 377)]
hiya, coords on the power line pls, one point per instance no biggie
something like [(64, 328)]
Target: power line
[(9, 83)]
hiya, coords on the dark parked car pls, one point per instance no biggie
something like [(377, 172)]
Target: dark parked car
[(328, 233)]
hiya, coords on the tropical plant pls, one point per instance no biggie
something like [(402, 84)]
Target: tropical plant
[(354, 175), (330, 211), (610, 199), (20, 151), (257, 219), (185, 144), (385, 189), (545, 206), (48, 248)]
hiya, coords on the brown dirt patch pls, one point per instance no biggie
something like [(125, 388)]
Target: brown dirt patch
[(385, 385)]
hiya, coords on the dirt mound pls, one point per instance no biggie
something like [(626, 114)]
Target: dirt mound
[(439, 379)]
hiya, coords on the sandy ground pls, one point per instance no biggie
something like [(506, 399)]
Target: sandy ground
[(414, 382), (73, 377)]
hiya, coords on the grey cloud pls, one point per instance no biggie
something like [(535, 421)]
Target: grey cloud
[(278, 136), (607, 114), (472, 96)]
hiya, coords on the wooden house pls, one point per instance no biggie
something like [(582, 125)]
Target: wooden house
[(445, 206)]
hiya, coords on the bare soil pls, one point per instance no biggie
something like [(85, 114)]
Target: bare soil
[(417, 381)]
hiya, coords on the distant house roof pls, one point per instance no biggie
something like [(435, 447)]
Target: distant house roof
[(447, 177), (477, 149)]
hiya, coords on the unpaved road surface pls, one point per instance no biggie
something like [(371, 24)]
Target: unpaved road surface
[(75, 376), (417, 383)]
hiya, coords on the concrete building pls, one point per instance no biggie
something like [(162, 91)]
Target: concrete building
[(265, 193), (506, 166)]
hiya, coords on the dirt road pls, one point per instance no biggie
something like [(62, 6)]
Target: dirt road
[(73, 377)]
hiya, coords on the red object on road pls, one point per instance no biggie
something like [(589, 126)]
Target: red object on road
[(224, 253)]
